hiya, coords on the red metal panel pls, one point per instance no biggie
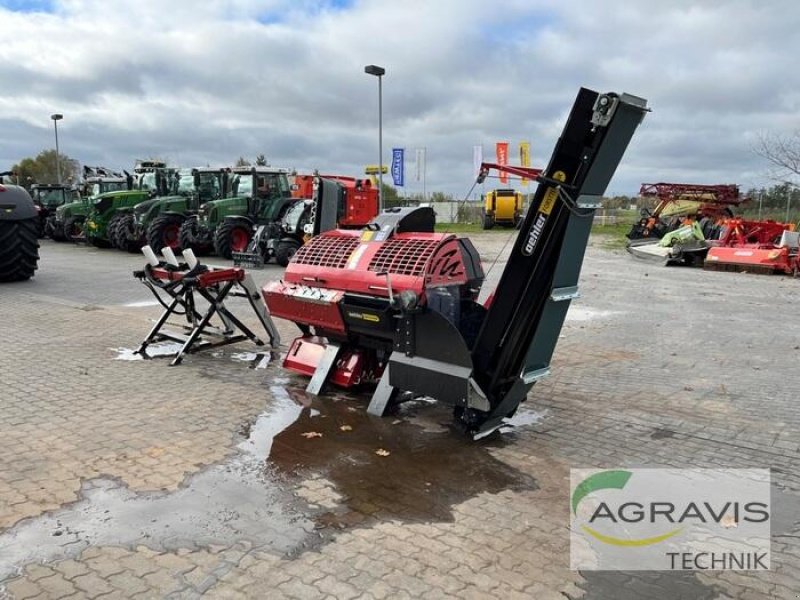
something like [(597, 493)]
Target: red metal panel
[(304, 304), (776, 259), (304, 355)]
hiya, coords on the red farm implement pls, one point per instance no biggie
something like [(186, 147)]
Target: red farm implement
[(755, 247)]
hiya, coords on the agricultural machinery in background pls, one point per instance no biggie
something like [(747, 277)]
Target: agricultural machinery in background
[(396, 304), (334, 202), (48, 197), (755, 247), (70, 219), (19, 224), (157, 222), (259, 196), (679, 204), (502, 207)]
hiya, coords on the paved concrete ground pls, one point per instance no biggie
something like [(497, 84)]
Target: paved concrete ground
[(127, 478)]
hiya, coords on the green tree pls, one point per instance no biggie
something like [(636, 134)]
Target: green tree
[(242, 162), (261, 161), (43, 169)]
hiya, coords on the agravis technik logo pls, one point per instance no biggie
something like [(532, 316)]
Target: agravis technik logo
[(670, 519)]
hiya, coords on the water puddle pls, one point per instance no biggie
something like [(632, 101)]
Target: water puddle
[(410, 466), (256, 360), (160, 349), (239, 500), (141, 304), (582, 314)]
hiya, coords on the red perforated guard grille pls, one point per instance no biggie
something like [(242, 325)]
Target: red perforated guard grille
[(403, 256), (327, 251)]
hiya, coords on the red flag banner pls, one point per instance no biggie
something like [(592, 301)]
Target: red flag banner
[(502, 159)]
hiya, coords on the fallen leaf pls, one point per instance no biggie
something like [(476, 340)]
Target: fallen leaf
[(729, 521), (154, 452), (382, 452), (346, 428), (311, 434)]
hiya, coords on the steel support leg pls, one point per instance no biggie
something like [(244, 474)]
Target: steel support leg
[(383, 396), (324, 368)]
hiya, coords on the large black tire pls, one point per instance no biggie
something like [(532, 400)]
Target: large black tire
[(53, 231), (191, 238), (73, 228), (285, 250), (230, 237), (99, 242), (126, 238), (111, 230), (165, 231), (488, 221), (19, 249)]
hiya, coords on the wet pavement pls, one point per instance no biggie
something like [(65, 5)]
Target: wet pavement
[(124, 477)]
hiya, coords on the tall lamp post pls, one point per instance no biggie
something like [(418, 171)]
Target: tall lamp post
[(379, 72), (56, 118)]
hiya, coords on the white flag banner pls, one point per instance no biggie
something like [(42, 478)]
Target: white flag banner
[(420, 166), (477, 158)]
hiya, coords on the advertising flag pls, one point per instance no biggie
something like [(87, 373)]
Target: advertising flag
[(525, 158), (502, 159), (420, 163), (398, 167)]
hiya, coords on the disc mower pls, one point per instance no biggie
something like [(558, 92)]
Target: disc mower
[(397, 304)]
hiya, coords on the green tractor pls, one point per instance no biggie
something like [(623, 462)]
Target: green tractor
[(70, 218), (158, 221), (158, 181), (107, 211), (48, 197), (259, 196)]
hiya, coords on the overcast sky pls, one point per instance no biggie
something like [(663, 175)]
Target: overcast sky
[(203, 82)]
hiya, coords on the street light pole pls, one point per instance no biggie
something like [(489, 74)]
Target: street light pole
[(379, 72), (56, 118)]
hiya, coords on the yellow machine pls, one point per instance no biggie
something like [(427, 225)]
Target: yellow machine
[(502, 207)]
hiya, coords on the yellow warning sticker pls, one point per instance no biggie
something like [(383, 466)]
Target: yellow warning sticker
[(551, 195)]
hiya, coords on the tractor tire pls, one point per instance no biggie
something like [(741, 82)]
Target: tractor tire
[(53, 231), (488, 222), (19, 249), (73, 229), (165, 231), (99, 242), (233, 235), (111, 230), (285, 251), (124, 235), (194, 240)]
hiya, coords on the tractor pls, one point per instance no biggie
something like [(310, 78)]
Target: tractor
[(150, 178), (19, 222), (70, 218), (335, 201), (158, 221), (48, 197), (259, 196), (502, 207)]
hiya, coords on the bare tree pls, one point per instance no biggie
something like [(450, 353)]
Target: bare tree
[(783, 153)]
